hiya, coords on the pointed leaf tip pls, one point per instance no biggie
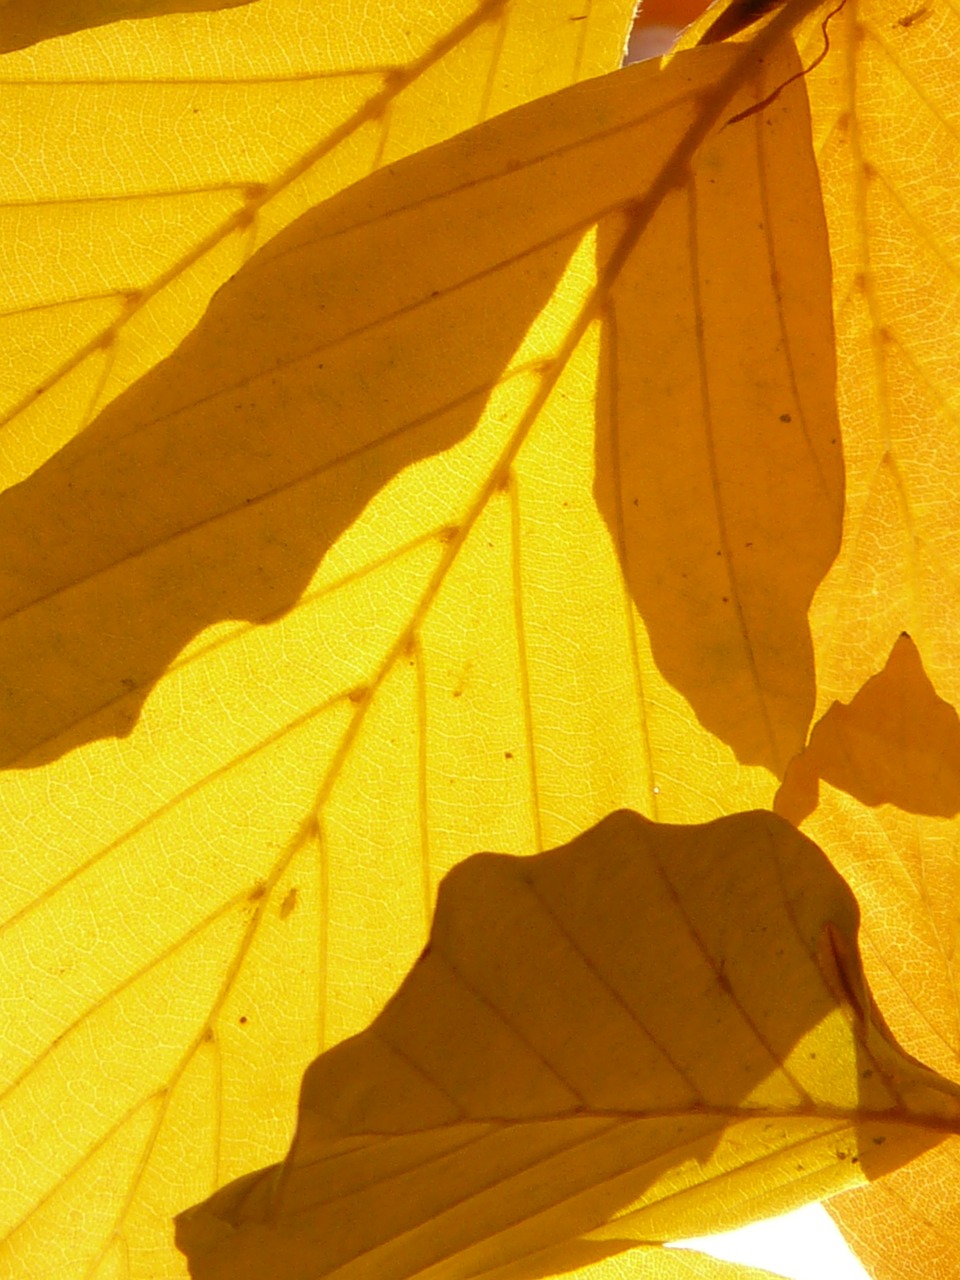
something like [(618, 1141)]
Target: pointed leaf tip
[(897, 742)]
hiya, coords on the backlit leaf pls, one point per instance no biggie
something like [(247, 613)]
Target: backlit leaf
[(148, 160), (249, 738), (315, 377), (24, 22), (886, 120), (593, 1045)]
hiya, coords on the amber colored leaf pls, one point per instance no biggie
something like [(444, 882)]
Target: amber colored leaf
[(718, 448), (213, 488), (25, 22), (905, 1226), (905, 872), (896, 743), (886, 127), (593, 1046), (149, 160)]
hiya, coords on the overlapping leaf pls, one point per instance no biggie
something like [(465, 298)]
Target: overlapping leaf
[(593, 1047), (896, 743), (249, 873), (316, 376), (886, 124), (145, 161), (363, 740)]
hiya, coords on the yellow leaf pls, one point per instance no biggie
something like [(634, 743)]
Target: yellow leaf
[(906, 876), (718, 449), (25, 22), (918, 1205), (886, 125), (593, 1045), (226, 826), (152, 159), (315, 376)]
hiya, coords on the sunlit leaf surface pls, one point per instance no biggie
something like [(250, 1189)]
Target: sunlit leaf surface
[(592, 1047), (886, 119), (25, 22), (144, 163), (284, 643)]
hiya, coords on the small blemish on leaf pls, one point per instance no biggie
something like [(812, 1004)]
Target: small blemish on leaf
[(242, 1019), (508, 755), (879, 1141), (257, 892), (289, 902), (785, 417), (918, 15)]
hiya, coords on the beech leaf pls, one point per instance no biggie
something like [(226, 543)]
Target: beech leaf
[(593, 1047), (213, 488), (25, 22)]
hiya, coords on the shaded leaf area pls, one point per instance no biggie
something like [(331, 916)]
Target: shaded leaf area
[(25, 22), (916, 1208), (886, 124), (213, 488), (719, 464), (593, 1048), (243, 120), (905, 872), (896, 743)]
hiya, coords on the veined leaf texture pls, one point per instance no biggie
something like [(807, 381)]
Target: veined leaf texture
[(589, 1048), (394, 470)]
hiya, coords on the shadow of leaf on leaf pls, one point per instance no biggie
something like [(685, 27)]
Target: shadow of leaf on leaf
[(897, 742), (650, 1033), (370, 333), (719, 462)]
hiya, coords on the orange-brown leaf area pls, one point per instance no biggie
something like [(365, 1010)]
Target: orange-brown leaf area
[(587, 1048), (896, 743), (415, 440)]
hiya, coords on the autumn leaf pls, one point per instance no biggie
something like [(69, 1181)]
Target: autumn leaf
[(242, 120), (245, 740), (313, 379), (592, 1046), (24, 22)]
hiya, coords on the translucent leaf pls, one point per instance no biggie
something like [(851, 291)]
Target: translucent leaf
[(593, 1045), (25, 22), (150, 159), (886, 121), (315, 376), (257, 857)]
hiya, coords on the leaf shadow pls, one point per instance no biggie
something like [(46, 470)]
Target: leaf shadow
[(896, 742), (366, 336), (559, 1068), (719, 467)]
